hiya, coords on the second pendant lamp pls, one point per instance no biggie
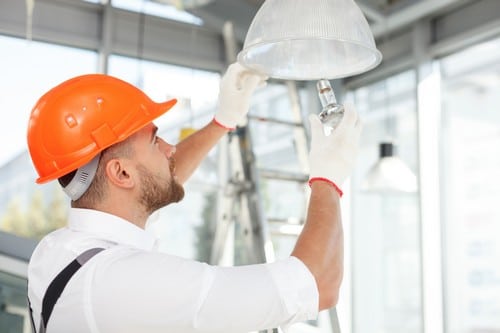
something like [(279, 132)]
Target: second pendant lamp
[(389, 174)]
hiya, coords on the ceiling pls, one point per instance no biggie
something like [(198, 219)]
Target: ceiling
[(384, 16), (406, 31)]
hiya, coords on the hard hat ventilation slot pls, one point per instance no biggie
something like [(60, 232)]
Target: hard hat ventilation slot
[(82, 179)]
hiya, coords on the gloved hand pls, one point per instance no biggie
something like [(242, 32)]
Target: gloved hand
[(236, 88), (332, 157)]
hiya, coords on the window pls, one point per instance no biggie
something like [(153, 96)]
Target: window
[(471, 188), (28, 70), (384, 242)]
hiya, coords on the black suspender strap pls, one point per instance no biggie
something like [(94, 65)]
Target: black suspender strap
[(57, 285)]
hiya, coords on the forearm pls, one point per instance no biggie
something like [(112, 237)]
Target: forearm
[(321, 245), (236, 87), (191, 151)]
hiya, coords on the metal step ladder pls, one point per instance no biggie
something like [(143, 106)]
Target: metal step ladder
[(241, 216)]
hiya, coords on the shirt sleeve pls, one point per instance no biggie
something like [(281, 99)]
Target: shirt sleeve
[(134, 291), (298, 288)]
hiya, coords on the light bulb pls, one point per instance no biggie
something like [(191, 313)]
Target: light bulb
[(332, 112)]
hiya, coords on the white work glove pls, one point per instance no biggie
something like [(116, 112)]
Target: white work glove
[(236, 88), (332, 156)]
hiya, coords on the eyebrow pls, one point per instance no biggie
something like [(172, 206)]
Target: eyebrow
[(153, 133)]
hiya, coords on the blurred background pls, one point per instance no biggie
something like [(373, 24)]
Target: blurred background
[(422, 241)]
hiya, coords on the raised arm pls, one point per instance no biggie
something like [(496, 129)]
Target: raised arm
[(236, 88), (321, 244), (192, 150)]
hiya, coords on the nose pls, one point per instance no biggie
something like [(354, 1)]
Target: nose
[(168, 148)]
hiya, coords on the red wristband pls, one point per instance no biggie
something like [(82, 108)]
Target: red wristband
[(224, 127), (328, 181)]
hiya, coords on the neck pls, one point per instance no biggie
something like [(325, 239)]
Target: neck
[(127, 210)]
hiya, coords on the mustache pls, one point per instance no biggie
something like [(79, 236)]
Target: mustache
[(171, 164)]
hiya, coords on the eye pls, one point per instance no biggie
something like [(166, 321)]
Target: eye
[(156, 140)]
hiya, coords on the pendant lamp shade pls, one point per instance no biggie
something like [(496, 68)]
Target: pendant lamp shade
[(309, 40), (390, 174)]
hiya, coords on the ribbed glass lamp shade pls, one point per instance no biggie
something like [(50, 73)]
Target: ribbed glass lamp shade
[(309, 40)]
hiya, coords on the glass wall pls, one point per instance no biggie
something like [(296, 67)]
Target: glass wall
[(384, 243), (471, 188), (28, 70)]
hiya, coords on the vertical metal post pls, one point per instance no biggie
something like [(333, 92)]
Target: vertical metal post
[(255, 232), (106, 33), (429, 101)]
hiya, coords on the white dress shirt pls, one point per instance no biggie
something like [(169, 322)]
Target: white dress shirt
[(130, 287)]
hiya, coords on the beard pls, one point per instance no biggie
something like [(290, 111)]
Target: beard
[(157, 193)]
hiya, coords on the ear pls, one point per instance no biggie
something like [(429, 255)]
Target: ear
[(119, 174)]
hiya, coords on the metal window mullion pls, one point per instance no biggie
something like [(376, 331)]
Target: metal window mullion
[(106, 38), (429, 109)]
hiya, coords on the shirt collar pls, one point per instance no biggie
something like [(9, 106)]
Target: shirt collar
[(110, 227)]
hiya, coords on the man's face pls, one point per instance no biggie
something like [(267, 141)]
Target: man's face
[(157, 192), (156, 170)]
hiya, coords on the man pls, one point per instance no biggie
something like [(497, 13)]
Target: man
[(101, 273)]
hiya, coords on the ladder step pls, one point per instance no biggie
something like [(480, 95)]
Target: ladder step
[(283, 175), (285, 227), (275, 121), (286, 220)]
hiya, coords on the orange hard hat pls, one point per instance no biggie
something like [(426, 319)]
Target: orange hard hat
[(76, 120)]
